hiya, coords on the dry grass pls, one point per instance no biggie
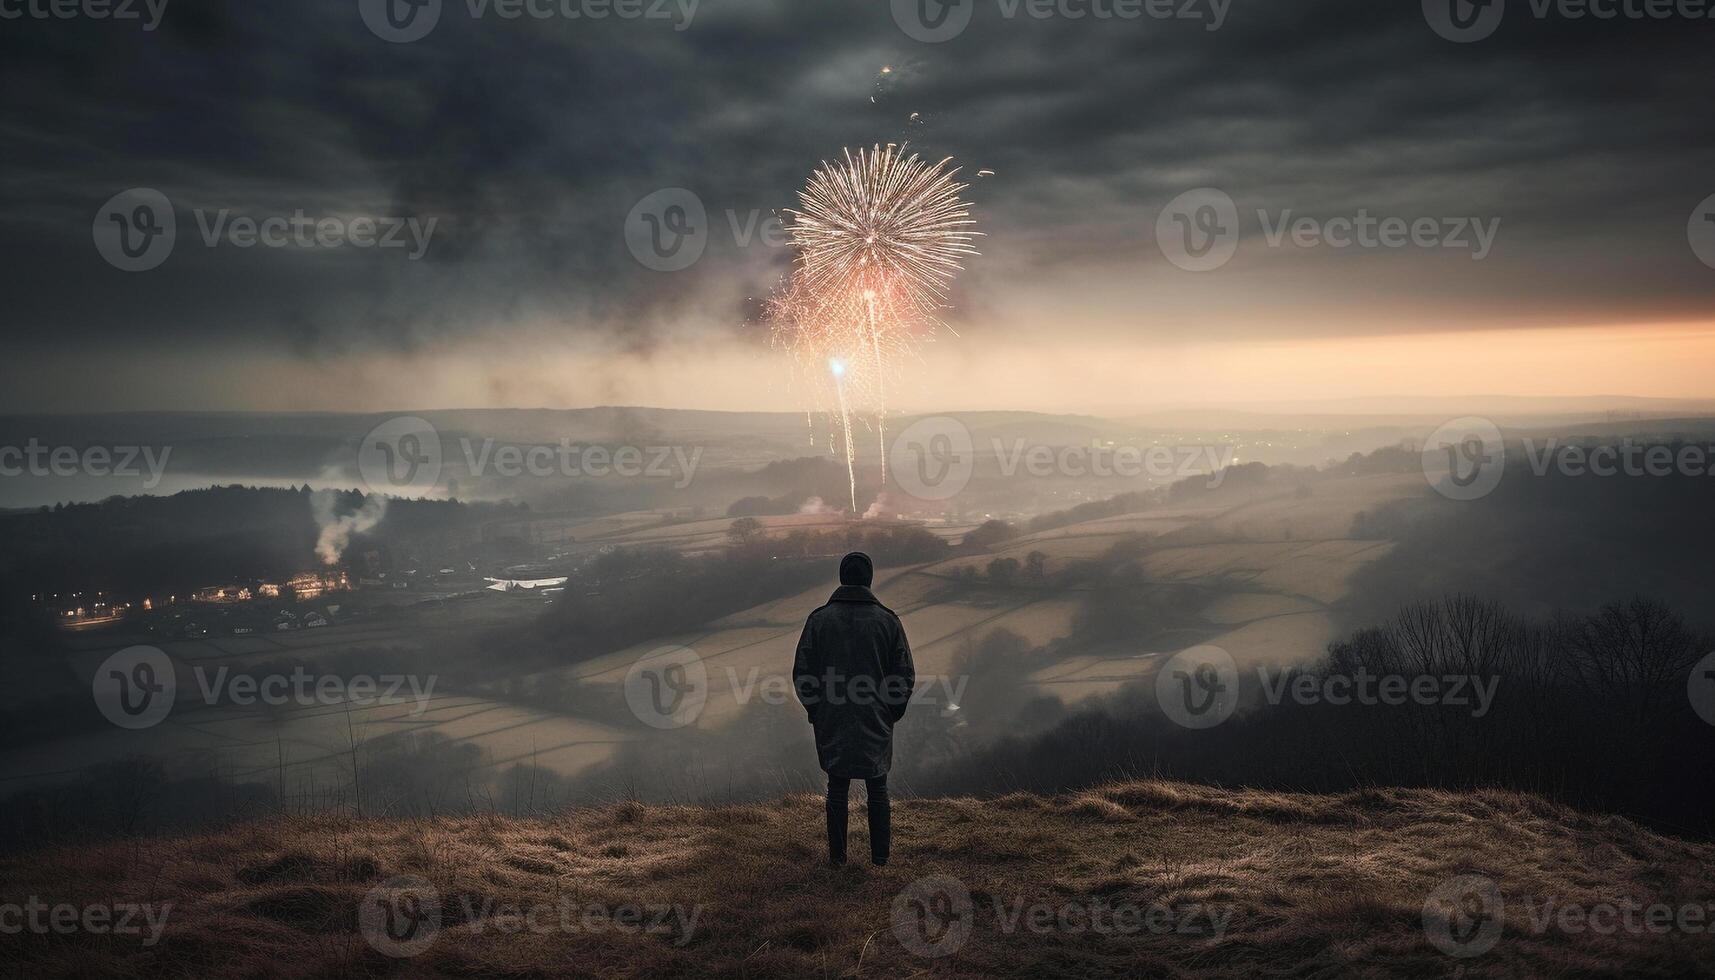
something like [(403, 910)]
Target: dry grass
[(1317, 886)]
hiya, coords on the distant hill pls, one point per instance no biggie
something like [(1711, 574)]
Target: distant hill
[(1390, 409), (201, 449), (1133, 879)]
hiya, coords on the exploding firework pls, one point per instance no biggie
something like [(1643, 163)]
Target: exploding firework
[(880, 237)]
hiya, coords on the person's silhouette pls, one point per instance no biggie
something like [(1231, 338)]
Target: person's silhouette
[(854, 676)]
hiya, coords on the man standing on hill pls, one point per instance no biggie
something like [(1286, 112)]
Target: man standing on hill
[(854, 676)]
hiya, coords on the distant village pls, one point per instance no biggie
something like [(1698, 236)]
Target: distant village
[(302, 601), (297, 602)]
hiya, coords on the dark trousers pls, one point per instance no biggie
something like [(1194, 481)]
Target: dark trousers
[(880, 818)]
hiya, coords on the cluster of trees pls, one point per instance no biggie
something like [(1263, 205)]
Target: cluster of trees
[(988, 534), (784, 486), (1591, 710), (892, 544), (1115, 571), (1116, 506), (1007, 572), (1239, 480), (763, 506)]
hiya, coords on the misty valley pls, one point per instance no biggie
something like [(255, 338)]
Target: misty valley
[(343, 650)]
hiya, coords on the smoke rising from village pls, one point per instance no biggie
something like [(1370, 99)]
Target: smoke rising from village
[(336, 529)]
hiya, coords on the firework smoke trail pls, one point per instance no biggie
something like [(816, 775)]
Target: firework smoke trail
[(880, 236), (880, 384), (839, 371)]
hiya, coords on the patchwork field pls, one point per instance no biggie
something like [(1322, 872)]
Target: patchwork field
[(1263, 578), (1264, 601)]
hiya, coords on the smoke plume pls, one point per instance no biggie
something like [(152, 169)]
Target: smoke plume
[(337, 529)]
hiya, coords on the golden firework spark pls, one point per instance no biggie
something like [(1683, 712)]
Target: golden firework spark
[(880, 237)]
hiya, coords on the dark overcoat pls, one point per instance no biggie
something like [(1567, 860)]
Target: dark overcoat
[(854, 676)]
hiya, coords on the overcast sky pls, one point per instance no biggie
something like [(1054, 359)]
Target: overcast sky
[(1564, 164)]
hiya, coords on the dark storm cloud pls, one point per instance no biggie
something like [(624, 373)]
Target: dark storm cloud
[(529, 140)]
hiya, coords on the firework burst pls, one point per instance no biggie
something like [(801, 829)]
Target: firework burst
[(880, 236)]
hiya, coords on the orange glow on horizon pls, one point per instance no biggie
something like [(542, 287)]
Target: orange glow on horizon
[(982, 370)]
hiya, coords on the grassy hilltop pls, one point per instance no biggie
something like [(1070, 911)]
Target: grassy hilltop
[(1181, 881)]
